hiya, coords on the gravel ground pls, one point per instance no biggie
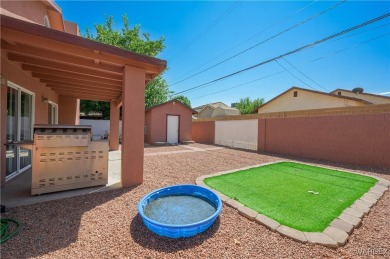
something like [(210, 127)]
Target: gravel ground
[(106, 225), (153, 149)]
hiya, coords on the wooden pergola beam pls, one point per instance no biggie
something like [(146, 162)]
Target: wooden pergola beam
[(86, 96), (64, 58), (82, 86), (89, 90), (64, 67), (64, 74), (64, 42)]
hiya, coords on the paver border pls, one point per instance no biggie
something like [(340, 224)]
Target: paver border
[(338, 231)]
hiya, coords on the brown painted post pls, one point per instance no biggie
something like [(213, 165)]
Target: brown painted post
[(133, 120), (3, 128), (114, 126)]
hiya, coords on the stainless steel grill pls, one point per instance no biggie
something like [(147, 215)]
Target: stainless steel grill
[(65, 158)]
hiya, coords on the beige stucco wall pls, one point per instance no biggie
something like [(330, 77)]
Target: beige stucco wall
[(305, 101), (368, 98)]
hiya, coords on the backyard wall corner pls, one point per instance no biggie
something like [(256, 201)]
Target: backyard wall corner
[(203, 132)]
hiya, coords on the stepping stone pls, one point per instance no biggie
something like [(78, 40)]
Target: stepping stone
[(247, 213), (223, 197), (342, 225), (355, 221), (337, 235), (379, 188), (292, 233), (384, 183), (354, 212), (363, 203), (267, 222), (369, 199), (320, 239), (363, 209), (374, 194), (233, 203)]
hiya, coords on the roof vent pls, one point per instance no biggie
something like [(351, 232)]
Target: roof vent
[(358, 90)]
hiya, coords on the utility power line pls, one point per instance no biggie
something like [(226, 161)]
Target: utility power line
[(245, 41), (208, 28), (262, 42), (289, 53), (288, 71), (258, 79), (300, 71)]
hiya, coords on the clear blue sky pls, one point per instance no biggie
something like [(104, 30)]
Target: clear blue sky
[(197, 32)]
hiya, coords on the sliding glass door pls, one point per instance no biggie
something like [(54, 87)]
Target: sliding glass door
[(20, 120)]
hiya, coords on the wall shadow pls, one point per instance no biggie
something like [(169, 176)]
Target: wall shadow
[(150, 240)]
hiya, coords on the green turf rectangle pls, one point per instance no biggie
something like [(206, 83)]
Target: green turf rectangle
[(281, 192)]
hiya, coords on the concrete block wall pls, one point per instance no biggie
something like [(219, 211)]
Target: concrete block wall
[(203, 132), (362, 139), (354, 139)]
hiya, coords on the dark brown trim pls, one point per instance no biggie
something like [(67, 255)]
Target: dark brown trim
[(171, 101), (313, 91)]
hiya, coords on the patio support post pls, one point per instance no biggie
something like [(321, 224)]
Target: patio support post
[(68, 110), (133, 120), (3, 128), (114, 126)]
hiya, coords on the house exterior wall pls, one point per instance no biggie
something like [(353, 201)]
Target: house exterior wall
[(156, 122), (34, 11), (72, 28), (11, 72), (203, 132), (305, 101), (369, 98)]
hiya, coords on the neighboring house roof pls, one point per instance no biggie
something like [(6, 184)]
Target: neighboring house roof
[(316, 92), (216, 104), (375, 95), (218, 109), (171, 101)]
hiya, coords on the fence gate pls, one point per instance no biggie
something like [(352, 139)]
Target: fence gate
[(237, 133)]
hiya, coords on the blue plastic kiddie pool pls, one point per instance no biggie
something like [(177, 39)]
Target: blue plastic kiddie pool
[(180, 210)]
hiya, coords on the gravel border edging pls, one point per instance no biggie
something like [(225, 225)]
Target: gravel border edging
[(334, 236)]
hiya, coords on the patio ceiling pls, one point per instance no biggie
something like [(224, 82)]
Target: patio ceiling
[(69, 64)]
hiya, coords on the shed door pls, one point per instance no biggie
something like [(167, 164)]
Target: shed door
[(173, 129)]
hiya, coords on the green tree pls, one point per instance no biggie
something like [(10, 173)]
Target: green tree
[(247, 106), (183, 99), (132, 39)]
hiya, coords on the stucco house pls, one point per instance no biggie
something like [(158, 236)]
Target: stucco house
[(297, 98), (169, 122), (372, 98), (213, 110), (46, 68)]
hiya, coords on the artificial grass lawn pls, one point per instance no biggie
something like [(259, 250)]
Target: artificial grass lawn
[(280, 191)]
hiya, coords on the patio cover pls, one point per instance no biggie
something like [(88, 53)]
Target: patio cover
[(72, 65), (84, 69)]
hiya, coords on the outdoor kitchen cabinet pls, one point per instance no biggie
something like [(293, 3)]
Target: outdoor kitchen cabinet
[(65, 158)]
